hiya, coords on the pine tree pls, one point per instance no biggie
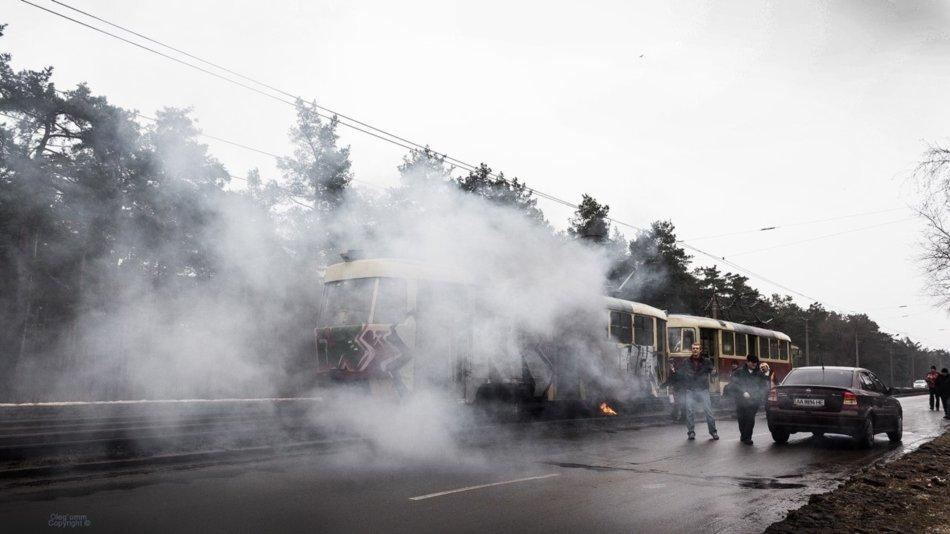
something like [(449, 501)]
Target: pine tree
[(500, 190), (590, 221)]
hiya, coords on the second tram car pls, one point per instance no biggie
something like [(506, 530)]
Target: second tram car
[(728, 343)]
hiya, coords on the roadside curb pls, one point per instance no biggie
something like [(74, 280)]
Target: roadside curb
[(65, 469), (210, 456)]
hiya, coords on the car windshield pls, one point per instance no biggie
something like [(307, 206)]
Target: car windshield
[(819, 377)]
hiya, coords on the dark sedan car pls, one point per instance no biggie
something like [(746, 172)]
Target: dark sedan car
[(834, 400)]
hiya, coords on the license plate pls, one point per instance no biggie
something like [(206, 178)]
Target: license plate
[(810, 403)]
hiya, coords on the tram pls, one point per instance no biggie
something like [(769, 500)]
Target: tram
[(727, 343), (381, 318), (392, 326)]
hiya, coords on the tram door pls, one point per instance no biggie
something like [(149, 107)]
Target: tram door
[(709, 339)]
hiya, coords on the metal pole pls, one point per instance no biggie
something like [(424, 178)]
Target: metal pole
[(890, 353), (857, 355), (627, 279), (807, 353)]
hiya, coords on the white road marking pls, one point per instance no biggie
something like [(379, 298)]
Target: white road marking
[(481, 486)]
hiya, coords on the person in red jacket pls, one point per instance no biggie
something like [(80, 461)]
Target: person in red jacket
[(931, 379)]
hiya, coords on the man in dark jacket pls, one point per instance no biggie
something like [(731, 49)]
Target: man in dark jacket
[(694, 376), (747, 385), (931, 380), (942, 385)]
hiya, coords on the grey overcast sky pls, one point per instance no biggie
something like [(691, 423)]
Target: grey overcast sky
[(722, 116)]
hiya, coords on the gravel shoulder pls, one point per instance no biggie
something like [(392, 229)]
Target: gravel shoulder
[(909, 494)]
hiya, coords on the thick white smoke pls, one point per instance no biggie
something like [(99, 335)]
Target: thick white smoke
[(531, 291)]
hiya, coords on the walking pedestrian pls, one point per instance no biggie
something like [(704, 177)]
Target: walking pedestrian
[(943, 390), (695, 386), (749, 384), (931, 380)]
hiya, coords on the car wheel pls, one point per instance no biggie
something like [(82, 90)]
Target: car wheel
[(865, 437), (898, 432), (780, 436)]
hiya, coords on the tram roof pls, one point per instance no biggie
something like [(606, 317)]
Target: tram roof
[(708, 322), (390, 268), (634, 307)]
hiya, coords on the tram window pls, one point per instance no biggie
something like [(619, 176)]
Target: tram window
[(754, 345), (763, 347), (783, 350), (348, 302), (391, 301), (674, 336), (643, 330), (773, 348), (620, 327), (660, 335), (740, 345), (728, 343), (689, 337), (680, 338)]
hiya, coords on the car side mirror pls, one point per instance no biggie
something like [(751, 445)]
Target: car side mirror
[(888, 390)]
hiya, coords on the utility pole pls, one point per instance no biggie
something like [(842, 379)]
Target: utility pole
[(807, 354), (857, 355), (890, 353)]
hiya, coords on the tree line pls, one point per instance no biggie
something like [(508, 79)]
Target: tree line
[(99, 208)]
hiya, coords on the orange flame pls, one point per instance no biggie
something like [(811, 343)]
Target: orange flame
[(606, 410)]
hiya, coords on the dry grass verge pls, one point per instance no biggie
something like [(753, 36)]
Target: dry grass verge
[(910, 494)]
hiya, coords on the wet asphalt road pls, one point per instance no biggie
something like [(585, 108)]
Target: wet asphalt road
[(648, 479)]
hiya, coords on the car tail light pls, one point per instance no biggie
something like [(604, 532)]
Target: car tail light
[(850, 400), (773, 396)]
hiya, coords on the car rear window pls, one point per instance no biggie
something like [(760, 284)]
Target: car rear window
[(819, 377)]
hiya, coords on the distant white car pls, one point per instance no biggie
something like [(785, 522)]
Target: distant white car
[(920, 384)]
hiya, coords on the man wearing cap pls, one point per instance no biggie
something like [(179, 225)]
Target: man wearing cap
[(695, 384), (748, 385), (943, 390)]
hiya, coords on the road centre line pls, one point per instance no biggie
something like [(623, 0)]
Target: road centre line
[(481, 486)]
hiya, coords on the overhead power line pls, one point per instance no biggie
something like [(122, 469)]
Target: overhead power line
[(790, 225), (382, 134), (242, 76), (816, 238), (215, 74), (354, 124)]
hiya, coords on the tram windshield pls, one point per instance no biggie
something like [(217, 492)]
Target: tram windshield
[(348, 302)]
